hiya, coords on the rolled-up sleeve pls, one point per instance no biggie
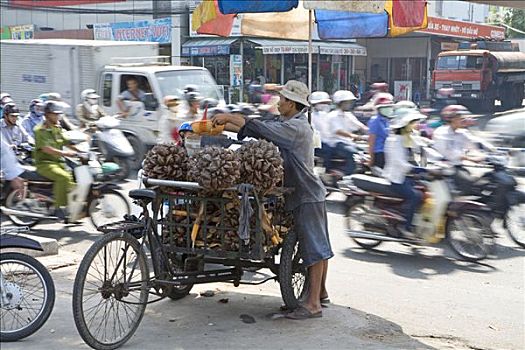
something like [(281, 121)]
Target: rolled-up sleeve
[(282, 134), (9, 163)]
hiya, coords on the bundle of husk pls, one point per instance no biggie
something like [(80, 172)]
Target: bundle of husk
[(261, 165), (214, 168), (166, 162)]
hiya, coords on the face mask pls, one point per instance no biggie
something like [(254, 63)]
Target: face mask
[(92, 101), (322, 108), (347, 107), (386, 111)]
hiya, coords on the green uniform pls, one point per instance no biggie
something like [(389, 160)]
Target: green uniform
[(52, 166)]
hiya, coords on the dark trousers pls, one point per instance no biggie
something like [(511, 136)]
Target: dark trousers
[(343, 151), (379, 160), (413, 199)]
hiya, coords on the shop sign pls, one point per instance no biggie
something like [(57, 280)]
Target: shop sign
[(449, 46), (448, 27), (212, 50), (26, 31), (56, 3), (235, 70), (402, 90), (323, 50), (5, 32), (157, 30)]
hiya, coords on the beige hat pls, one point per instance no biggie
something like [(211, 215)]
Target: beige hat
[(296, 91)]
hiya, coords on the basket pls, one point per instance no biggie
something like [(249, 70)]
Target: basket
[(206, 127)]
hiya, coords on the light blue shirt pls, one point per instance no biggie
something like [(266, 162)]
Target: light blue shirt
[(9, 164)]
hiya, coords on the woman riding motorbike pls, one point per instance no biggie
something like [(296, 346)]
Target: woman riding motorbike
[(378, 129), (398, 152)]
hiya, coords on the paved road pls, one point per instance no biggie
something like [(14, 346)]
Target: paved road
[(394, 298)]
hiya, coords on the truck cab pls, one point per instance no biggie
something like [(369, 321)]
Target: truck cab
[(156, 81)]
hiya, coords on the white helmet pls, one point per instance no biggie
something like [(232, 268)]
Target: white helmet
[(88, 93), (405, 116), (343, 96), (405, 104), (319, 97)]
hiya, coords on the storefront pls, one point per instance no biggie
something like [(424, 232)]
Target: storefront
[(406, 62), (273, 61)]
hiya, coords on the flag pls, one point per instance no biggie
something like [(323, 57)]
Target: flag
[(406, 16), (205, 12), (209, 20)]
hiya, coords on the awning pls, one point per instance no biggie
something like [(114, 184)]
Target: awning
[(276, 46), (207, 46)]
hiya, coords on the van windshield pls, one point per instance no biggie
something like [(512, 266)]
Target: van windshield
[(173, 83), (459, 62)]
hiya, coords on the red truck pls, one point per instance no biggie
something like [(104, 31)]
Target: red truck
[(480, 76)]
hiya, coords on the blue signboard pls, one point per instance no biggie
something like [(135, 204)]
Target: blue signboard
[(157, 30)]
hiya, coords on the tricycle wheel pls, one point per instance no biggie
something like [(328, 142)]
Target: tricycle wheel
[(178, 292), (110, 291), (293, 274)]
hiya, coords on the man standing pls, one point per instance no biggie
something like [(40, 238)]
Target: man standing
[(292, 133)]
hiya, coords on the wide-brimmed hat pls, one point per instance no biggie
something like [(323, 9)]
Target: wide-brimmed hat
[(405, 117), (296, 91)]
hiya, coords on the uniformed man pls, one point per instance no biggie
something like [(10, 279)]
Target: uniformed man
[(292, 133), (49, 153)]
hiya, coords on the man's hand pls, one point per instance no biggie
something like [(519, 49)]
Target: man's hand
[(69, 153), (220, 119), (17, 183)]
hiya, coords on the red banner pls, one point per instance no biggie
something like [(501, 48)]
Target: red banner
[(408, 14), (57, 3), (448, 27)]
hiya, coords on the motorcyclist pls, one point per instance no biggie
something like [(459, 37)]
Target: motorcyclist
[(208, 103), (342, 127), (89, 111), (12, 132), (171, 120), (321, 105), (378, 129), (49, 153), (453, 141), (5, 98), (398, 150), (184, 130), (10, 167), (64, 121), (34, 117), (193, 99)]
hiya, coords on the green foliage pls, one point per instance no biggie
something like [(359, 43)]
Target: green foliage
[(515, 18)]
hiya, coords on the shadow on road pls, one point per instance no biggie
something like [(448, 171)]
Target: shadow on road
[(417, 265)]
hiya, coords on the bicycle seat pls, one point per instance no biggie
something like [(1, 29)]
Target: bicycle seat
[(142, 194)]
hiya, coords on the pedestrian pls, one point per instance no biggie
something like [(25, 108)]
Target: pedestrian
[(292, 133)]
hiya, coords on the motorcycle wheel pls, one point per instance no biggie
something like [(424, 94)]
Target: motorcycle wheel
[(24, 274), (470, 236), (124, 168), (515, 222), (12, 200), (110, 206), (355, 212)]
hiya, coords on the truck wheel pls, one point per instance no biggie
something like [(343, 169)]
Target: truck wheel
[(139, 149)]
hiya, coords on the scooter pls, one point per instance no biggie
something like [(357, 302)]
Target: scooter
[(27, 291), (375, 215), (100, 201), (113, 145)]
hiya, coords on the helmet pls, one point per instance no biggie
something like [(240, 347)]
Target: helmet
[(380, 87), (209, 103), (171, 100), (185, 127), (11, 108), (5, 98), (405, 104), (190, 88), (53, 107), (319, 97), (192, 96), (383, 99), (450, 112), (36, 102), (343, 96), (405, 116), (218, 110), (50, 96), (445, 92), (232, 107), (89, 94)]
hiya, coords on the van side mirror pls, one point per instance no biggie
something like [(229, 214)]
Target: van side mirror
[(150, 102)]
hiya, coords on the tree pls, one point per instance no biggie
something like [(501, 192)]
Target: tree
[(515, 19)]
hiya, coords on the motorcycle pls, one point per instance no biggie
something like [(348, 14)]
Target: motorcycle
[(113, 145), (375, 215), (498, 190), (100, 201), (27, 291)]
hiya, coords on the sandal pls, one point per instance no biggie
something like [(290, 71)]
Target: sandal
[(302, 313)]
